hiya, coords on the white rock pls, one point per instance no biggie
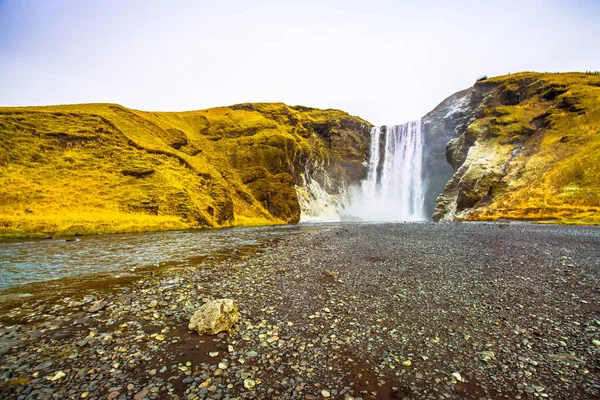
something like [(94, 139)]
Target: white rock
[(457, 376), (59, 375), (215, 316)]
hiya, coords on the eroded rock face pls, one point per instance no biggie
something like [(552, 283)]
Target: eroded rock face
[(514, 152), (224, 166), (214, 317), (444, 124)]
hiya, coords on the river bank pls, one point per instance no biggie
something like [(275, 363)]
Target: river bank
[(501, 311)]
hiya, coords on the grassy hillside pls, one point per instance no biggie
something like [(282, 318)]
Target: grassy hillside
[(96, 168), (533, 152)]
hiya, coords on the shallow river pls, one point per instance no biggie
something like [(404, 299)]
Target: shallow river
[(28, 262)]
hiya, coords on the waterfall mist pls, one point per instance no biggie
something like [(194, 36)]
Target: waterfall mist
[(393, 189)]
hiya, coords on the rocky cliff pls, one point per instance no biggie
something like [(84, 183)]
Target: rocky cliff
[(439, 126), (97, 168), (522, 147)]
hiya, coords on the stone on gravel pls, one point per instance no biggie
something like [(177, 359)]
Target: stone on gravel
[(59, 375), (141, 394), (457, 376), (97, 306), (214, 317)]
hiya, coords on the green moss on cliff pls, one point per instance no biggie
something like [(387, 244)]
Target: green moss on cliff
[(95, 168)]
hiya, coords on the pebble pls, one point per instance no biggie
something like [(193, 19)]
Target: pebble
[(58, 375), (457, 376), (141, 394), (487, 333)]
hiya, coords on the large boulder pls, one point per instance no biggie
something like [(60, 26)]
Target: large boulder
[(214, 317)]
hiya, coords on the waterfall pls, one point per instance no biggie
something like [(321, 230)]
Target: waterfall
[(393, 189), (316, 205)]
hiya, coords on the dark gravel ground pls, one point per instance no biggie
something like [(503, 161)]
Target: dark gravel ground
[(419, 311)]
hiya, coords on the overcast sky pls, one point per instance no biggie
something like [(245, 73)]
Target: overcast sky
[(386, 61)]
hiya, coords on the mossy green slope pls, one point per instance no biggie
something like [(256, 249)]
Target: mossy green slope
[(95, 168), (532, 152)]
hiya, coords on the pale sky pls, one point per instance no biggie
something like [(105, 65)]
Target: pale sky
[(386, 61)]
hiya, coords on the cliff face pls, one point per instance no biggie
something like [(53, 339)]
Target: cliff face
[(104, 168), (446, 122), (527, 147)]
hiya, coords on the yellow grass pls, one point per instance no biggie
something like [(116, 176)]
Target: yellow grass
[(556, 172), (96, 168)]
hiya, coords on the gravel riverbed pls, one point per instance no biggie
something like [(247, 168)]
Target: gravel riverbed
[(386, 311)]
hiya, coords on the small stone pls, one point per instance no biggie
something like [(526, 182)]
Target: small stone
[(153, 304), (325, 393), (406, 363), (97, 306), (113, 395), (89, 298), (596, 342), (44, 365), (487, 355), (59, 375), (249, 383), (457, 376), (84, 395), (213, 354), (160, 338), (141, 394), (206, 383)]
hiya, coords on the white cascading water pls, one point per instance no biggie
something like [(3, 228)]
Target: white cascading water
[(393, 190)]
